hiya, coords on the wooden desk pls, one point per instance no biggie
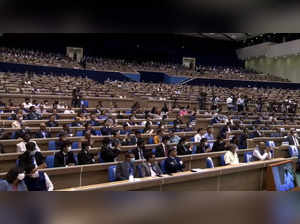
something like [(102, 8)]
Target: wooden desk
[(246, 177)]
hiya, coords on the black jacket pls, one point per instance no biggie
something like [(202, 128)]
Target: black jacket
[(26, 159), (85, 157), (60, 161), (217, 147), (40, 135), (143, 151), (173, 165), (159, 152), (183, 150), (51, 124), (108, 154)]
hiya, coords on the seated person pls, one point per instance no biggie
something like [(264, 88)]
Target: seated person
[(18, 120), (158, 137), (231, 156), (77, 122), (31, 156), (183, 148), (140, 151), (219, 145), (85, 156), (256, 133), (203, 147), (162, 149), (173, 138), (81, 117), (93, 121), (21, 147), (36, 180), (126, 168), (52, 123), (225, 130), (54, 113), (150, 168), (107, 129), (14, 180), (66, 130), (33, 115), (199, 135), (21, 133), (209, 134), (69, 110), (188, 127), (110, 150), (262, 152), (62, 138), (125, 129), (43, 133), (89, 128), (65, 156), (173, 164)]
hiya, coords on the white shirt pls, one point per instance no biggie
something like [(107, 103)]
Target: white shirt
[(296, 141), (153, 174), (69, 112), (21, 147), (240, 101), (48, 183), (259, 156), (197, 138), (229, 100), (231, 158), (27, 105)]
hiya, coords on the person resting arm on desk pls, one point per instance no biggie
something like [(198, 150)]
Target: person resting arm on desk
[(262, 152), (150, 168), (37, 180), (173, 164), (231, 156), (127, 168)]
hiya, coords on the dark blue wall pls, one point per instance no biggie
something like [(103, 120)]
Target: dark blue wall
[(99, 76), (240, 83)]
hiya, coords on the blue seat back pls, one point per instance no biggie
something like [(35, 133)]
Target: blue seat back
[(75, 145), (52, 145), (209, 163), (98, 132), (194, 150), (86, 103), (139, 168), (112, 173), (293, 151), (50, 161), (76, 158), (270, 144), (13, 135), (150, 140), (248, 157), (192, 139), (222, 160), (100, 158), (79, 133), (163, 166)]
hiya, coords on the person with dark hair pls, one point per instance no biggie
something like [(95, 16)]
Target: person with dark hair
[(182, 148), (62, 138), (22, 132), (85, 156), (150, 168), (127, 168), (231, 156), (110, 151), (225, 130), (89, 129), (93, 121), (162, 149), (140, 151), (65, 156), (77, 122), (36, 180), (14, 180), (203, 147), (67, 131), (107, 129), (52, 123), (76, 97), (21, 147), (173, 164), (31, 156), (33, 115), (43, 133), (219, 145)]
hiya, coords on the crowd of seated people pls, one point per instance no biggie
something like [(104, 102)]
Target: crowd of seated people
[(25, 56), (168, 143)]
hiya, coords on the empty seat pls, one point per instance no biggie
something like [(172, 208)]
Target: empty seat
[(52, 145), (209, 163), (112, 173)]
